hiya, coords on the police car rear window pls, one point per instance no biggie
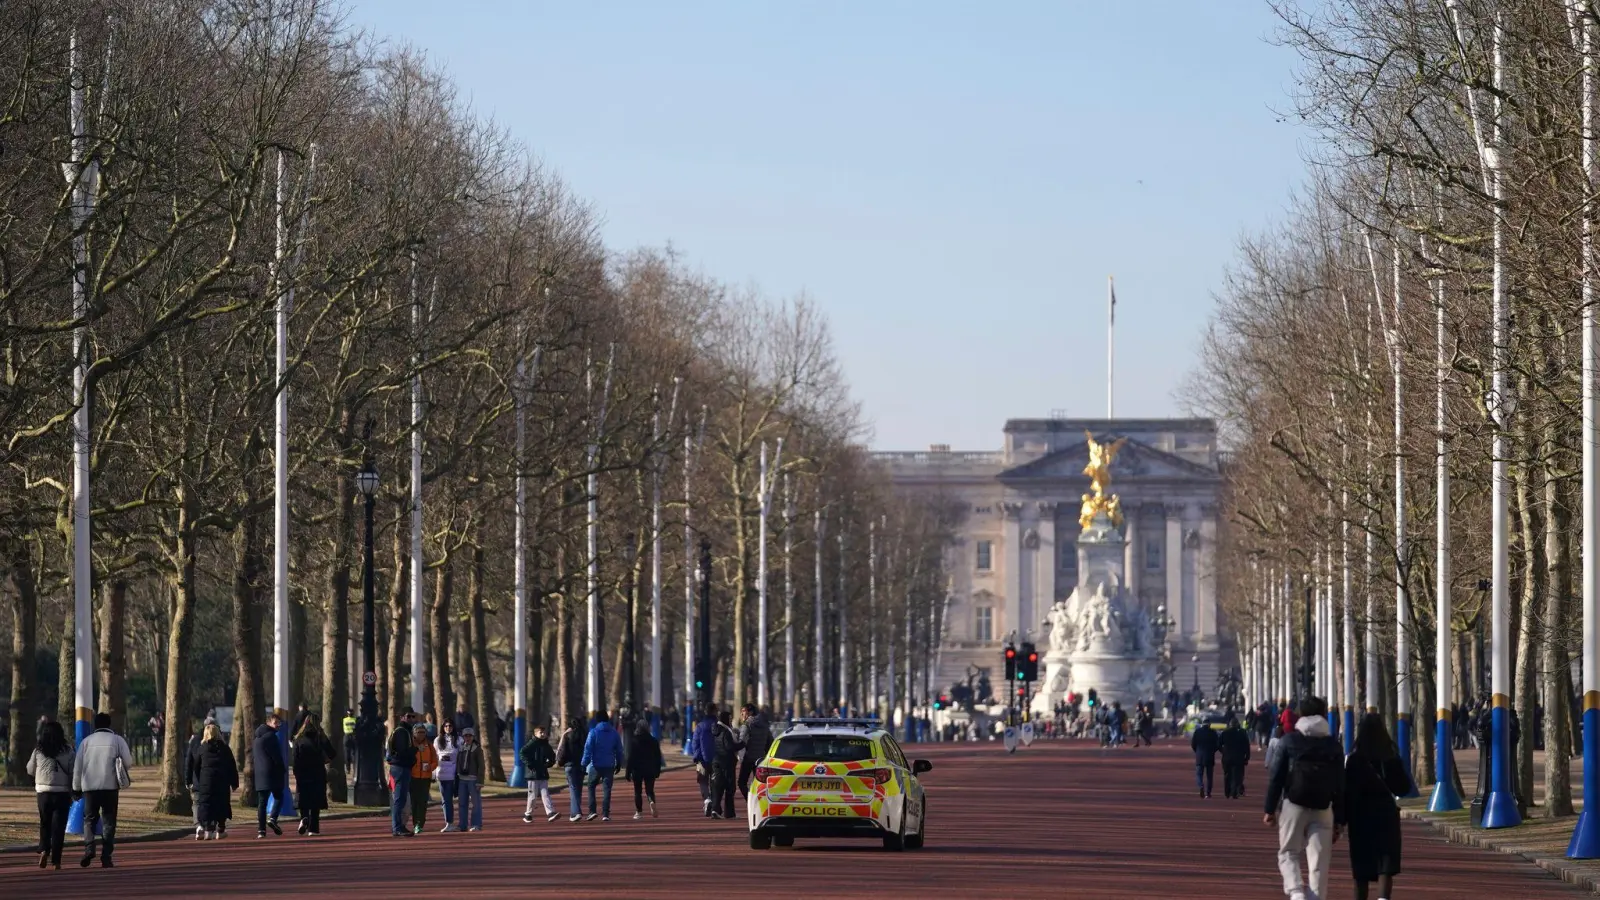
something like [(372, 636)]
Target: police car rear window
[(824, 748)]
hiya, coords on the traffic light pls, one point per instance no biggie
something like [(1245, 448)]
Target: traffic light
[(941, 701), (1011, 663), (1094, 699), (700, 677), (1022, 690), (1029, 664)]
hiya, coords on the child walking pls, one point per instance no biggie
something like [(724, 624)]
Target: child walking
[(537, 757)]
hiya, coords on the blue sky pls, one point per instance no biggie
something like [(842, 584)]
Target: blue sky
[(951, 181)]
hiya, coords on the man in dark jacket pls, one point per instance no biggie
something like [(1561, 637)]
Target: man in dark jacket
[(1204, 743), (537, 757), (271, 774), (724, 758), (401, 755), (1305, 798), (756, 737), (644, 766), (1234, 743)]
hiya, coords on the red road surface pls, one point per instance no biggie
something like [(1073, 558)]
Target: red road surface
[(1054, 820)]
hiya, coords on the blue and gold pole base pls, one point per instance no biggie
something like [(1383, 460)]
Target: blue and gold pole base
[(519, 775), (1586, 836), (1349, 732), (80, 730), (1501, 809), (1402, 735), (1444, 797)]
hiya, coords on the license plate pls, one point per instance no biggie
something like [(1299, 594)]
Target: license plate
[(818, 784)]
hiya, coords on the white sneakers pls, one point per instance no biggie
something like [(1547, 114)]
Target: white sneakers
[(653, 810), (448, 827), (638, 816)]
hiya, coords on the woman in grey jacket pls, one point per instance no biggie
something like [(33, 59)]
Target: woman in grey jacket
[(51, 768)]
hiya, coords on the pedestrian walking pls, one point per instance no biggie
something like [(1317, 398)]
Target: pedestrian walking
[(401, 755), (51, 766), (99, 773), (703, 750), (755, 736), (447, 745), (1305, 800), (213, 776), (348, 723), (1234, 747), (1374, 774), (537, 757), (271, 775), (724, 759), (1274, 744), (158, 728), (602, 753), (463, 720), (1205, 744), (569, 756), (469, 782), (310, 755), (645, 763), (422, 771)]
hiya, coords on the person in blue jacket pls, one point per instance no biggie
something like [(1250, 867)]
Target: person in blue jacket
[(602, 754), (703, 749)]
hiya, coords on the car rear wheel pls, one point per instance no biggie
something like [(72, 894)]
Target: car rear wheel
[(760, 840), (894, 843), (783, 841), (915, 841)]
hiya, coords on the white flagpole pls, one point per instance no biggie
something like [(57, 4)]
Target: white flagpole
[(595, 693), (768, 480), (519, 700), (789, 688), (817, 640), (657, 694), (418, 663)]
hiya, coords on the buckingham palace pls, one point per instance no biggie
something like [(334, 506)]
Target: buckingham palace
[(1014, 552)]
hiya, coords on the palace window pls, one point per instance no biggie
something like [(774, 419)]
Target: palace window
[(985, 556), (1152, 553), (983, 623)]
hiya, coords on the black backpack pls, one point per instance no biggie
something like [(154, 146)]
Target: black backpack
[(1314, 775)]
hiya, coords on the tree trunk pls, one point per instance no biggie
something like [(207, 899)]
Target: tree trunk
[(1525, 692), (66, 672), (24, 656), (483, 682), (336, 640), (439, 638), (1558, 587), (113, 681), (399, 620), (174, 798), (568, 701), (249, 572)]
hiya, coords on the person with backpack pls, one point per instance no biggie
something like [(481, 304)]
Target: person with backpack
[(1234, 745), (1205, 745), (1374, 775), (1305, 800), (703, 750), (537, 757)]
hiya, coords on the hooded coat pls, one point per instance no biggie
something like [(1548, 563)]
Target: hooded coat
[(266, 755), (311, 757), (216, 777)]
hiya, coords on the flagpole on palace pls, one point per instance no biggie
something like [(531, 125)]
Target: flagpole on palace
[(1111, 346)]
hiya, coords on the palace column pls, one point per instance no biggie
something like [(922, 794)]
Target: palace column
[(1131, 562), (1011, 563), (1048, 561), (1174, 570)]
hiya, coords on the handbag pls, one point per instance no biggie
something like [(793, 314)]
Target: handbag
[(123, 781)]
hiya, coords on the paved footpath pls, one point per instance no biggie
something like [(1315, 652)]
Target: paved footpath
[(1054, 820)]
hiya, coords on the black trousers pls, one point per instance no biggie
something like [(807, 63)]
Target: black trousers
[(722, 791), (643, 787), (53, 807), (313, 819), (1233, 779), (747, 769), (100, 806), (1203, 776)]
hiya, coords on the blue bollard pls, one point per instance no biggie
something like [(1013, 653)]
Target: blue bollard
[(1586, 835), (1349, 730), (1501, 809), (1402, 735), (1444, 797)]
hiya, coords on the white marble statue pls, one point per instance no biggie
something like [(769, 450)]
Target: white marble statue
[(1060, 621)]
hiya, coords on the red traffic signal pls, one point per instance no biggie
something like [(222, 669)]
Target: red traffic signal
[(1011, 653), (1022, 690)]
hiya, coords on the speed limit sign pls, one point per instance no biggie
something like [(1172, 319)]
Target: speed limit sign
[(369, 678)]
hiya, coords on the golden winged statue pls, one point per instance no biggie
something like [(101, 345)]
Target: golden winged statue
[(1099, 472)]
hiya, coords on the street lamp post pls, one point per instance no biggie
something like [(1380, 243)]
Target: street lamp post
[(370, 790), (703, 663), (630, 694), (1195, 659)]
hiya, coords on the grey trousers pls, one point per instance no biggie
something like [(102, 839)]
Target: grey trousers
[(1308, 832)]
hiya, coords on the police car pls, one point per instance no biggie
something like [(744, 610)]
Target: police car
[(837, 778)]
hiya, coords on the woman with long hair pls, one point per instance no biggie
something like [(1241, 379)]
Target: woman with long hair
[(447, 745), (309, 759), (51, 768), (216, 777), (1374, 774)]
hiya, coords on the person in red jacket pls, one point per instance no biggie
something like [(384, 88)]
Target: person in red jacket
[(1287, 718)]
